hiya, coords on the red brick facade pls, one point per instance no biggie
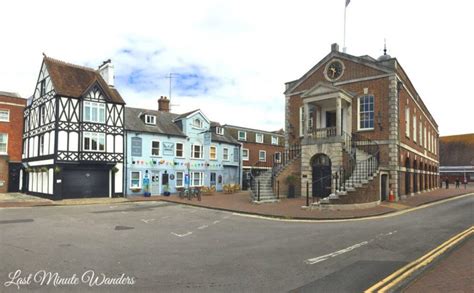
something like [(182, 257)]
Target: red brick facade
[(394, 95), (254, 147), (13, 128)]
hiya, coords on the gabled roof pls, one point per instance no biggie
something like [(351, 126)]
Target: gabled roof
[(73, 80), (191, 113), (164, 122), (364, 60)]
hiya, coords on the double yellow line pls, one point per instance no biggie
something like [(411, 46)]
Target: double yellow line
[(402, 274)]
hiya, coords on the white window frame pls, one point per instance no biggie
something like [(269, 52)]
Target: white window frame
[(210, 152), (139, 179), (420, 133), (264, 156), (41, 144), (369, 111), (257, 135), (177, 179), (197, 123), (201, 178), (182, 150), (91, 135), (414, 128), (200, 151), (425, 140), (220, 130), (159, 147), (245, 158), (244, 138), (94, 105), (225, 154), (42, 110), (6, 144), (4, 113), (150, 119), (407, 121), (275, 139)]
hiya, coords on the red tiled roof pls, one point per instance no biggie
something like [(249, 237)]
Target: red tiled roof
[(73, 81)]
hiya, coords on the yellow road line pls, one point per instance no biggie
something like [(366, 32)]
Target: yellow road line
[(403, 273)]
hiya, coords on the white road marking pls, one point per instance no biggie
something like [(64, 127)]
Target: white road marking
[(147, 221), (182, 235), (203, 227), (165, 217), (215, 222), (312, 261), (226, 217)]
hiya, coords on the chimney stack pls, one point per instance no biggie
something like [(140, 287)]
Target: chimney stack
[(335, 47), (106, 70), (163, 104)]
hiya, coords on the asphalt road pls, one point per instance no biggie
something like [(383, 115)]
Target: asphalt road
[(163, 247)]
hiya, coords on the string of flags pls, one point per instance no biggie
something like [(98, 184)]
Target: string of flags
[(172, 163)]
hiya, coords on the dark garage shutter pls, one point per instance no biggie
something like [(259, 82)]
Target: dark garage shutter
[(79, 183)]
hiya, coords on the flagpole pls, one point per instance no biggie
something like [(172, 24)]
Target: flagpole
[(344, 43)]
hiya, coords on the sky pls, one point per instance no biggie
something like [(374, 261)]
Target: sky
[(231, 58)]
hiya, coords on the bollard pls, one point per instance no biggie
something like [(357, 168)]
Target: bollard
[(307, 193), (278, 189), (258, 190)]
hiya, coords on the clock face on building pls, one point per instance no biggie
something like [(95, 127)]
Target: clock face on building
[(334, 70)]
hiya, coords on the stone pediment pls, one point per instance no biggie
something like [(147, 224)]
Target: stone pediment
[(323, 89)]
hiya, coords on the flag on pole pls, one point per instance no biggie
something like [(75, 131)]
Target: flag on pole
[(347, 2)]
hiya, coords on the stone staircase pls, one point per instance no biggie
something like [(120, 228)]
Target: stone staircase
[(266, 192), (363, 175)]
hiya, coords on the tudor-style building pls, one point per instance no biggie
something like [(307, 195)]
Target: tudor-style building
[(363, 129), (73, 133)]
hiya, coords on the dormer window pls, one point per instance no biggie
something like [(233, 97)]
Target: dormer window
[(94, 112), (150, 119), (259, 137), (220, 130), (197, 123), (274, 139)]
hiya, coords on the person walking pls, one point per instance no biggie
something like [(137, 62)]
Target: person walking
[(457, 183), (447, 183)]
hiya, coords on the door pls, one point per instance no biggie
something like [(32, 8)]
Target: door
[(321, 171), (82, 183), (14, 177), (213, 179), (331, 119), (407, 176), (384, 187), (155, 183)]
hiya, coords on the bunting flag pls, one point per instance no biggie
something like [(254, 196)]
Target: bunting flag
[(347, 2)]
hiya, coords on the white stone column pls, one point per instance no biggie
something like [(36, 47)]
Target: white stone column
[(338, 116), (306, 119)]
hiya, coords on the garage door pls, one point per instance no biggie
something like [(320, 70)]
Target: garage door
[(80, 183)]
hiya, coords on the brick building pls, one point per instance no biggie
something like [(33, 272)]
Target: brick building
[(363, 129), (456, 154), (11, 125), (259, 147)]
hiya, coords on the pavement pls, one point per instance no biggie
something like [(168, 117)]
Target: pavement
[(169, 247), (453, 273)]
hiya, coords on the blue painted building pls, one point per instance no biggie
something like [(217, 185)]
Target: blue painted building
[(166, 151)]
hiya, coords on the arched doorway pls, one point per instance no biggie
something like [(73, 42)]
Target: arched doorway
[(321, 171), (407, 176)]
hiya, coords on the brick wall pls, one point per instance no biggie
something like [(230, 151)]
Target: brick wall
[(294, 168), (14, 128), (3, 174)]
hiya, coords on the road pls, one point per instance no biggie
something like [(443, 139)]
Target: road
[(163, 247)]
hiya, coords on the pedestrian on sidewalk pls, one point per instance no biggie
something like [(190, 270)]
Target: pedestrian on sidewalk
[(447, 183), (465, 183), (457, 183)]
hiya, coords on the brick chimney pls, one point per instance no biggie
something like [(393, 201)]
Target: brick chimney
[(163, 104), (335, 47)]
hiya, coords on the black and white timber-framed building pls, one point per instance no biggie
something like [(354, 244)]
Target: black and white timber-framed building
[(73, 136)]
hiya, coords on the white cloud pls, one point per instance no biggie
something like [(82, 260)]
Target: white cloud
[(247, 49)]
